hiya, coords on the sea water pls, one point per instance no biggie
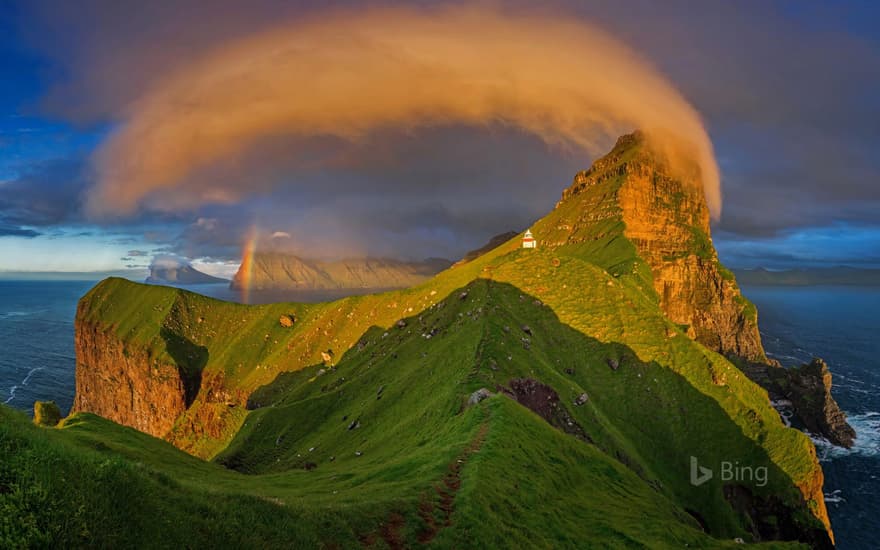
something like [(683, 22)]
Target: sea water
[(842, 326)]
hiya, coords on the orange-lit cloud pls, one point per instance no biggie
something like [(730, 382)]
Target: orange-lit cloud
[(348, 74)]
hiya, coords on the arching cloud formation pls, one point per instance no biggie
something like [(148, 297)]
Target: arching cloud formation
[(348, 75)]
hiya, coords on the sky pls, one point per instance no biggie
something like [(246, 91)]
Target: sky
[(130, 131)]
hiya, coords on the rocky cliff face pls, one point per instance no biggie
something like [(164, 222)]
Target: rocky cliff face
[(667, 220), (123, 383), (808, 387), (275, 271)]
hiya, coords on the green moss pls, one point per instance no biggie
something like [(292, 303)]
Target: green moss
[(46, 413)]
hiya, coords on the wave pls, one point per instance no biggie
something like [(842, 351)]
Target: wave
[(867, 443), (834, 497), (23, 383), (785, 410), (10, 314)]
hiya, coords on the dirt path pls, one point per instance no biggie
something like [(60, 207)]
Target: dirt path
[(445, 491), (435, 507)]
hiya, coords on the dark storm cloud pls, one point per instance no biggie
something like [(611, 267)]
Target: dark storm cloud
[(13, 231), (789, 91), (45, 194)]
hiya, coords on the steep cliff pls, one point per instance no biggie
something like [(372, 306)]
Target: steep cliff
[(667, 220), (277, 271), (145, 384), (808, 387), (124, 384)]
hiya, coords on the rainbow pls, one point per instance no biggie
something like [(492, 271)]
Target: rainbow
[(247, 263)]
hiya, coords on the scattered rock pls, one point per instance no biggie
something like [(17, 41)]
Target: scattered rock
[(527, 330), (379, 392), (286, 321), (327, 356), (478, 396), (581, 399), (463, 295), (613, 363), (569, 371), (401, 324), (358, 453), (719, 378), (354, 425)]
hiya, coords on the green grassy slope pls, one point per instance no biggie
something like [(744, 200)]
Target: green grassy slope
[(407, 394), (380, 448)]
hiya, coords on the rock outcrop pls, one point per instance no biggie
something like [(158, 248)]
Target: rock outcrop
[(46, 413), (667, 220), (277, 271), (808, 387), (124, 383)]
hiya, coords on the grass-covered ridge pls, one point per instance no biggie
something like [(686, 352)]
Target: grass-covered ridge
[(354, 417), (301, 466)]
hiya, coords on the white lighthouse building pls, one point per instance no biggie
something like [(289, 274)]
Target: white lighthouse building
[(528, 240)]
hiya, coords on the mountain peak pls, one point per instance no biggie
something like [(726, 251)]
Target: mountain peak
[(635, 215)]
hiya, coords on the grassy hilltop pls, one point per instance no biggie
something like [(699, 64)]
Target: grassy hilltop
[(594, 403)]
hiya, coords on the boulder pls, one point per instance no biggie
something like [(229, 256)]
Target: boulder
[(46, 413), (286, 321), (478, 396)]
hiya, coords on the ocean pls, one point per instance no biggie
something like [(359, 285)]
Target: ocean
[(839, 324), (842, 326)]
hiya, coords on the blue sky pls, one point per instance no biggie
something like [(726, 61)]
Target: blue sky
[(789, 92)]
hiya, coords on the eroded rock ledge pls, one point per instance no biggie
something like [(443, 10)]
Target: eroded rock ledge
[(808, 388)]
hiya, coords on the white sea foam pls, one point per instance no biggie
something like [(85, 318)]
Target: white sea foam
[(11, 395), (834, 497), (784, 408), (24, 382), (9, 314), (867, 443)]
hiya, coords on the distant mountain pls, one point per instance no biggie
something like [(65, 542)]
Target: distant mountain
[(172, 270), (493, 243), (810, 277), (278, 271)]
